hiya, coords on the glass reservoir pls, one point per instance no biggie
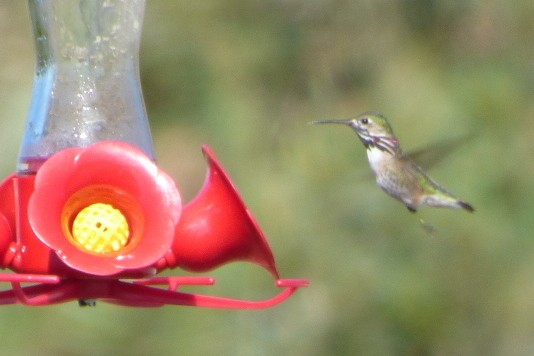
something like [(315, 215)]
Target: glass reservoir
[(86, 86)]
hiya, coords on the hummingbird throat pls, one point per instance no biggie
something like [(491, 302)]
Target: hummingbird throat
[(383, 143)]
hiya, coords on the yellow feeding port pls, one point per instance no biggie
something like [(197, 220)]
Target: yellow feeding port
[(101, 229)]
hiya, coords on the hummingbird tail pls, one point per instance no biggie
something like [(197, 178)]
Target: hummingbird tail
[(466, 206)]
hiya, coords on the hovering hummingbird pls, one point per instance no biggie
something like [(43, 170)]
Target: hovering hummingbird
[(395, 172)]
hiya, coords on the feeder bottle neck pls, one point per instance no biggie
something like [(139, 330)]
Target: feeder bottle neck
[(86, 86)]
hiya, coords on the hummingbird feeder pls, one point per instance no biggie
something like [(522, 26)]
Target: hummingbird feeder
[(88, 215)]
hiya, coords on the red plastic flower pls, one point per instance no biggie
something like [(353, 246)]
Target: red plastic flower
[(104, 209)]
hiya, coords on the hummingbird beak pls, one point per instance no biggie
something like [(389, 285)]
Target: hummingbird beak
[(362, 133), (350, 122), (344, 122)]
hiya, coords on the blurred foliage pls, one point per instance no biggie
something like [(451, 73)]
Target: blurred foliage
[(246, 76)]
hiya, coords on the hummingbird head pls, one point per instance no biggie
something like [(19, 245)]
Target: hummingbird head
[(371, 124), (372, 128)]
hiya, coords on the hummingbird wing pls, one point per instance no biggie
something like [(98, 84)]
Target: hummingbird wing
[(431, 155)]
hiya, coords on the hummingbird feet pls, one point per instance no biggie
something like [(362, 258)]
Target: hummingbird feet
[(411, 209)]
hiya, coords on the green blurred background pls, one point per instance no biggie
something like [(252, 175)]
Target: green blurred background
[(246, 77)]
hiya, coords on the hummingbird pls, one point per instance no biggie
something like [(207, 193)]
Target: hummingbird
[(395, 172)]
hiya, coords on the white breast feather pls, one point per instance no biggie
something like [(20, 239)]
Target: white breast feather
[(376, 158)]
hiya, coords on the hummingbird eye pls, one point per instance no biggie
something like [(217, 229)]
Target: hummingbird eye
[(364, 121)]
